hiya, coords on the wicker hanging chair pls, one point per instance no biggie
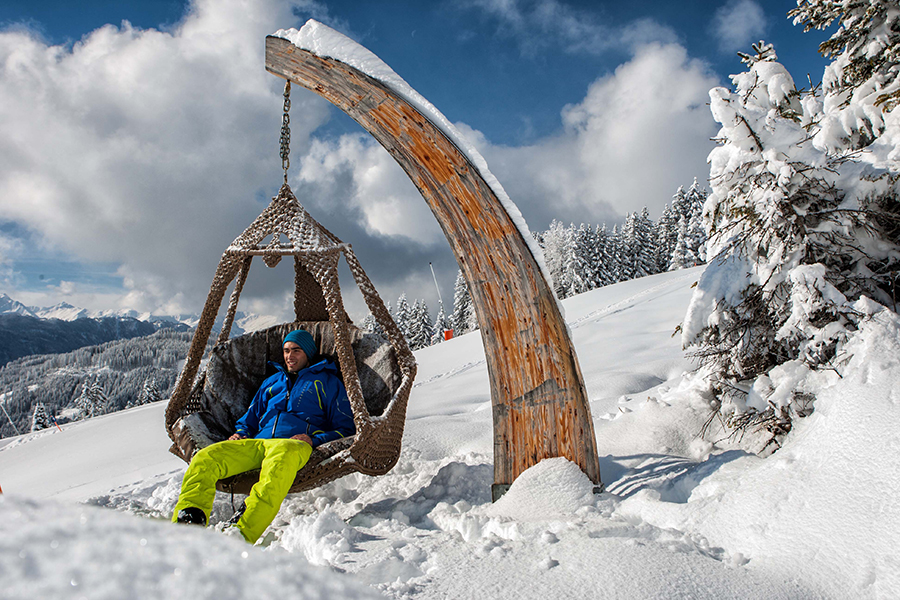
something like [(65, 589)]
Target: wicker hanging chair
[(377, 372)]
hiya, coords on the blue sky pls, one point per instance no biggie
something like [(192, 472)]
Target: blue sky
[(134, 153)]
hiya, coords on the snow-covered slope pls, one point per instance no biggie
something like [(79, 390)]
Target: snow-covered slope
[(683, 517)]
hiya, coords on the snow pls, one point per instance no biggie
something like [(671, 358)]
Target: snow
[(324, 41), (837, 469), (55, 550), (84, 510), (62, 311), (722, 281)]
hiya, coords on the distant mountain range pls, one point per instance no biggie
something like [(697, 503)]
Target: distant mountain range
[(27, 330)]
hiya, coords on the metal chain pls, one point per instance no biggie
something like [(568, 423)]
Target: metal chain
[(286, 131)]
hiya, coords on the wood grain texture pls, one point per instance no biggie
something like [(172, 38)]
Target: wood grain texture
[(540, 406)]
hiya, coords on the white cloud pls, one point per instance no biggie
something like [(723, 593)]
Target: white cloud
[(8, 249), (373, 186), (538, 24), (153, 150), (68, 288), (639, 133), (738, 24), (147, 148)]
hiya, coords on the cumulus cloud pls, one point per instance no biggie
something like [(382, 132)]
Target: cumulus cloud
[(9, 248), (373, 188), (536, 24), (152, 150), (738, 24), (358, 189), (638, 134), (147, 148)]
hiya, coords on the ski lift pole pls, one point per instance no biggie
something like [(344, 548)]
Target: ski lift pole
[(3, 406), (433, 276), (444, 331)]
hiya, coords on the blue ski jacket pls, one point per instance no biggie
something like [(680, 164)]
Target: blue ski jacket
[(315, 403)]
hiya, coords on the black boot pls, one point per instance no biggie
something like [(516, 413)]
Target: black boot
[(192, 515)]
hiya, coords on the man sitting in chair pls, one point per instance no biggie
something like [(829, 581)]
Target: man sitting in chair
[(294, 410)]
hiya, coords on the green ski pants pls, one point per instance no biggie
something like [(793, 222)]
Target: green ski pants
[(278, 461)]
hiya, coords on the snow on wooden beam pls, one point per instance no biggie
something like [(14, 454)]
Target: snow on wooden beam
[(540, 406)]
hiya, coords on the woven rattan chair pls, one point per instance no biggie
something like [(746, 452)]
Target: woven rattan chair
[(377, 370)]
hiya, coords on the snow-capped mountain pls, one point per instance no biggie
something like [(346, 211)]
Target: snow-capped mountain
[(27, 330), (62, 311), (10, 306)]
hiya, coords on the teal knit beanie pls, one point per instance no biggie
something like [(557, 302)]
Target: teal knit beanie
[(304, 340)]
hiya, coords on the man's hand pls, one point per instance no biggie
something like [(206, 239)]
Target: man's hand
[(237, 436), (303, 438)]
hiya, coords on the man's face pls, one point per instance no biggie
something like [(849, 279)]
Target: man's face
[(294, 357)]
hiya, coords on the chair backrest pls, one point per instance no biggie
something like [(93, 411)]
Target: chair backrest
[(237, 367)]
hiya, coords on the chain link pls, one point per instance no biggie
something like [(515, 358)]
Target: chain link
[(286, 131)]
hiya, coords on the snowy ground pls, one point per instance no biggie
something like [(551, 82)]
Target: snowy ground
[(84, 510)]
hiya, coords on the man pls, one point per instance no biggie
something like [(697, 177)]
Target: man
[(298, 408)]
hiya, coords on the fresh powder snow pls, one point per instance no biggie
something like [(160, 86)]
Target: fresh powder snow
[(85, 510)]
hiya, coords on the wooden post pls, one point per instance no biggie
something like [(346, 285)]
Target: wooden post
[(540, 407)]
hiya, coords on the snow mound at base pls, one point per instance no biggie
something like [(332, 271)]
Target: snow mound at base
[(555, 487)]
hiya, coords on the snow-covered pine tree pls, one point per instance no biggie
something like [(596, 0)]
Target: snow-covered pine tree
[(628, 248), (681, 255), (39, 418), (92, 400), (585, 262), (862, 83), (420, 326), (681, 207), (617, 255), (690, 245), (643, 244), (696, 240), (605, 258), (369, 324), (403, 316), (149, 392), (441, 324), (559, 254), (464, 319), (794, 239), (99, 399), (666, 237), (695, 199)]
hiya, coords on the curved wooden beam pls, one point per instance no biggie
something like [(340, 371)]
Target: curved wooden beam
[(540, 407)]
